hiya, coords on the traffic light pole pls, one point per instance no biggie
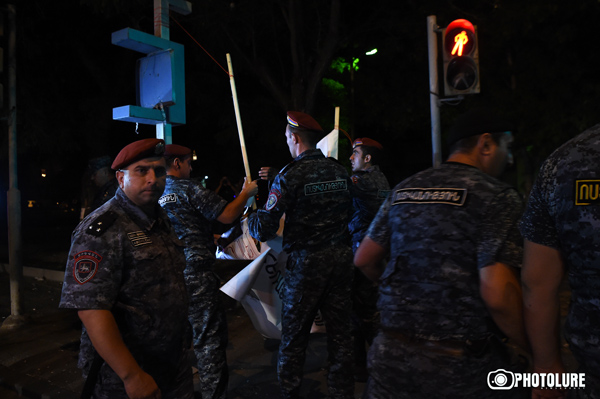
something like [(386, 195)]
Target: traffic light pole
[(14, 195), (434, 104)]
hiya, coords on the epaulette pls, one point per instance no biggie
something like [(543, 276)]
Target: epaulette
[(101, 224), (287, 167)]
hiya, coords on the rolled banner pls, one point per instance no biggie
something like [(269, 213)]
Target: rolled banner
[(241, 284)]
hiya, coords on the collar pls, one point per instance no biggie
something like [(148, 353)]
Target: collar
[(138, 216), (460, 164), (311, 153)]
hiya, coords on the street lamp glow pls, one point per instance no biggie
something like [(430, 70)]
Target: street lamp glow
[(374, 51)]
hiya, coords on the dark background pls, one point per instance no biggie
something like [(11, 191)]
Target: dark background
[(538, 61)]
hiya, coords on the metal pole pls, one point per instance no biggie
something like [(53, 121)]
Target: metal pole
[(161, 29), (14, 195), (161, 19), (436, 141)]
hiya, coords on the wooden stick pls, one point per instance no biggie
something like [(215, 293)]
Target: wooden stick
[(238, 118)]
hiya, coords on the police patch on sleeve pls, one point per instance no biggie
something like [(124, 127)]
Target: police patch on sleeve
[(450, 196), (85, 266), (274, 196)]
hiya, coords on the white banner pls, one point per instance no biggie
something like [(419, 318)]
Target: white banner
[(258, 288), (329, 144)]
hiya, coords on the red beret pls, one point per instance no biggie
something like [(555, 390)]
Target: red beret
[(303, 121), (138, 150), (368, 142), (176, 150)]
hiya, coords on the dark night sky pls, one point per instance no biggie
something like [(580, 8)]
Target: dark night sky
[(535, 65)]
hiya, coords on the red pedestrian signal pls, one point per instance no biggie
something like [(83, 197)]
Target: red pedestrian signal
[(461, 58)]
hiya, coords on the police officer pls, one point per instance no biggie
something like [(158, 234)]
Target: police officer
[(454, 249), (313, 192), (369, 186), (124, 275), (369, 189), (560, 227), (191, 209), (103, 185)]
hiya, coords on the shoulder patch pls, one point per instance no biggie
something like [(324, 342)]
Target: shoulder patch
[(274, 196), (587, 192), (102, 223), (450, 196), (85, 266), (168, 198)]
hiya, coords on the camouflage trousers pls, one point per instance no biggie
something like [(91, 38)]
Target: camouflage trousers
[(209, 325), (412, 370), (365, 316), (320, 280), (591, 370)]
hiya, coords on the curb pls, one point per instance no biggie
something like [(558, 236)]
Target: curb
[(36, 272)]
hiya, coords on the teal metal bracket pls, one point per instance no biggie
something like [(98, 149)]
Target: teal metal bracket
[(172, 112)]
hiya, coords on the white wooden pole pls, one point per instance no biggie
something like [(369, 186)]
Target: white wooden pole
[(238, 118), (336, 124)]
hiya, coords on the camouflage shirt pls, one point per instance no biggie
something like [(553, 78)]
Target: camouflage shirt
[(313, 192), (191, 209), (120, 260), (441, 226), (369, 189), (563, 212)]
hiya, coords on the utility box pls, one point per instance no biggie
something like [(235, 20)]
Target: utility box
[(154, 79)]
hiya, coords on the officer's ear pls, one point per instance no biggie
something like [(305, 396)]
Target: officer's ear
[(295, 138), (177, 163), (120, 175), (368, 158), (485, 144)]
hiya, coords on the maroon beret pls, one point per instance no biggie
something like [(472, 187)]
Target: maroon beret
[(138, 150), (176, 150), (303, 121), (368, 142)]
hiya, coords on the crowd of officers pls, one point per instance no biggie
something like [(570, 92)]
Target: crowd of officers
[(430, 275)]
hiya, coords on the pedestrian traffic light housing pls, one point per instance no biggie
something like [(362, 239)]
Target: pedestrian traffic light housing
[(461, 58)]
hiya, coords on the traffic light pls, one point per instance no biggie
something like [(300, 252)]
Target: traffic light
[(461, 58)]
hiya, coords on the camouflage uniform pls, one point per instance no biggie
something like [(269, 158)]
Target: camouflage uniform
[(369, 189), (563, 212), (441, 226), (313, 193), (191, 209), (122, 261)]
